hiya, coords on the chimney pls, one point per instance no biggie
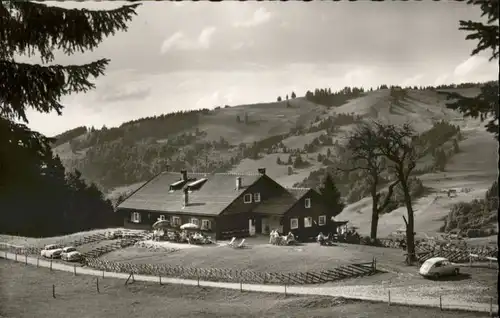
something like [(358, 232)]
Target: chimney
[(238, 183), (184, 175), (186, 197), (262, 171)]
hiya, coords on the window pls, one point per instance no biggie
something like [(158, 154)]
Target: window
[(195, 221), (256, 197), (206, 224), (308, 221), (161, 218), (176, 221), (322, 220), (294, 224), (247, 198), (307, 203), (135, 217)]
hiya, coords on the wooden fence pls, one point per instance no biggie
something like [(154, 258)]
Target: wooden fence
[(454, 254), (238, 276), (113, 246)]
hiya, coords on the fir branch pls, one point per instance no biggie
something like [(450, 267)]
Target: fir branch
[(39, 87), (27, 28)]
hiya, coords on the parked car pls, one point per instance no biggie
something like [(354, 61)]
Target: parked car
[(51, 251), (70, 254), (438, 267)]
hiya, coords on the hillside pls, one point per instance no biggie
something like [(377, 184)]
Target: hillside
[(199, 140), (243, 138)]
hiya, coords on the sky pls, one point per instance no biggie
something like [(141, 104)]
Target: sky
[(191, 55)]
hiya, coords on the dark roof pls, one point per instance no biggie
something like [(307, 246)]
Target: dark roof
[(298, 193), (281, 204), (211, 199)]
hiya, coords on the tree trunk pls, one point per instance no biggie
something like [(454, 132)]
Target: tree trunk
[(374, 224), (410, 226)]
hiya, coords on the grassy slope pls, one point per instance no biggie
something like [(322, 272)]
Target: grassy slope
[(422, 108), (26, 292), (265, 120)]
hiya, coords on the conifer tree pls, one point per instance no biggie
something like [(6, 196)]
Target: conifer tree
[(486, 103), (27, 165), (331, 195)]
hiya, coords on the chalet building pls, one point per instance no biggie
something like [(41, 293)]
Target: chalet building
[(227, 205)]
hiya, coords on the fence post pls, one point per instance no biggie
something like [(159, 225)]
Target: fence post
[(16, 257), (389, 292), (470, 260), (74, 270), (198, 280), (103, 273), (53, 291), (285, 291), (440, 302), (26, 259), (37, 261), (491, 306), (97, 284), (159, 276), (51, 264)]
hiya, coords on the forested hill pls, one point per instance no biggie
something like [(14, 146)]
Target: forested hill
[(218, 140)]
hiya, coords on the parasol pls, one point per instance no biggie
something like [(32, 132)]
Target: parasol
[(161, 224), (189, 226)]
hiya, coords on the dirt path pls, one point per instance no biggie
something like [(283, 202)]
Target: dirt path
[(398, 295)]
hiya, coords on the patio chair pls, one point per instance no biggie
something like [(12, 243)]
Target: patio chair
[(232, 243), (242, 244)]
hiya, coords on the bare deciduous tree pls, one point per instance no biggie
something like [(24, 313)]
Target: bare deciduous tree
[(400, 145), (364, 155)]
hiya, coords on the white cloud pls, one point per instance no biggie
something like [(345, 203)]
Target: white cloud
[(260, 16), (412, 81), (470, 65), (441, 79), (180, 41)]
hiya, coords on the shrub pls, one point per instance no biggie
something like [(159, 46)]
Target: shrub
[(366, 240)]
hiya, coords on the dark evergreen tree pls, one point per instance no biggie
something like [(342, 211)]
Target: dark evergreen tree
[(331, 195), (279, 99), (33, 188), (293, 95), (485, 104)]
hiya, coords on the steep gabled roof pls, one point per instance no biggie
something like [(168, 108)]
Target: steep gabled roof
[(213, 196), (279, 205), (298, 193)]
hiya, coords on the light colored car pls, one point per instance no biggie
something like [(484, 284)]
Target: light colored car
[(70, 254), (51, 251), (438, 267)]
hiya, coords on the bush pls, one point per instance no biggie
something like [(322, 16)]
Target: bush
[(471, 233), (366, 240)]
